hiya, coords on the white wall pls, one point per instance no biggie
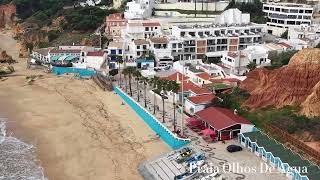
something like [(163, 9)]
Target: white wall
[(218, 6), (246, 128), (196, 108)]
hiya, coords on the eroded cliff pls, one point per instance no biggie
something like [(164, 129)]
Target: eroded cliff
[(295, 84), (7, 15)]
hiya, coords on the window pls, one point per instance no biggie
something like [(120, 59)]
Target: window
[(254, 60), (138, 53), (146, 28), (174, 45), (309, 11), (155, 27), (278, 9), (138, 47), (180, 45), (144, 46)]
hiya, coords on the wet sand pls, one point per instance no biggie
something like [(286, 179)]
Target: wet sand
[(80, 132)]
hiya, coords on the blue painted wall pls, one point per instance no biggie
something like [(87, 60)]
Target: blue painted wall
[(163, 132)]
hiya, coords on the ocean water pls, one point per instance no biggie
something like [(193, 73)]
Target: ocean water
[(17, 159)]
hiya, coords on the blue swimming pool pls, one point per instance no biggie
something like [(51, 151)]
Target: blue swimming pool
[(81, 72), (165, 134)]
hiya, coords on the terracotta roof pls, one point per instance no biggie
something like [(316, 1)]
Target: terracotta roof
[(116, 17), (189, 86), (220, 118), (159, 40), (204, 76), (173, 77), (151, 24), (285, 45), (140, 42), (65, 51), (202, 99), (96, 53)]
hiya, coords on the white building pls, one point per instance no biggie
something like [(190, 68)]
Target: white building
[(194, 104), (139, 9), (231, 32), (282, 16), (162, 51), (95, 60), (304, 36), (237, 62), (141, 30)]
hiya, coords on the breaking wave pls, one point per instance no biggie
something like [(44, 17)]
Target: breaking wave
[(17, 159)]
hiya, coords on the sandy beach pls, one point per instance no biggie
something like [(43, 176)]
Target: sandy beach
[(80, 132)]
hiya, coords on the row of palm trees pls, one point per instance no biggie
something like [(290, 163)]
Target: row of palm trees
[(159, 86)]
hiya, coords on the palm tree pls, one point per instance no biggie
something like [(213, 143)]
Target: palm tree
[(251, 66), (174, 87), (129, 72), (144, 80), (119, 61), (138, 76), (154, 81), (163, 87)]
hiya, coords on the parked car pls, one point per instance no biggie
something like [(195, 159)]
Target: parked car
[(234, 148)]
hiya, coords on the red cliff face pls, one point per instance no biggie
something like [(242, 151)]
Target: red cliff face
[(7, 15), (294, 84)]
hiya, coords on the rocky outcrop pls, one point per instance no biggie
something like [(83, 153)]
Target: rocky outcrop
[(295, 84), (5, 58), (7, 15)]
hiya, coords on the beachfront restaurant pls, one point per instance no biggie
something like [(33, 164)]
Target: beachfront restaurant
[(225, 123), (279, 157), (63, 59)]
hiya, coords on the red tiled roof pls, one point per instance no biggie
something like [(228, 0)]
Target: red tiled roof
[(115, 16), (140, 42), (202, 99), (173, 77), (151, 24), (285, 45), (189, 86), (204, 76), (65, 51), (220, 118), (96, 53)]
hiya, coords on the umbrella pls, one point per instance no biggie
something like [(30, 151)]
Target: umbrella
[(193, 121), (208, 132)]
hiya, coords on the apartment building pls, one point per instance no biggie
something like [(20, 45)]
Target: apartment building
[(162, 51), (237, 62), (232, 31), (141, 30), (282, 16)]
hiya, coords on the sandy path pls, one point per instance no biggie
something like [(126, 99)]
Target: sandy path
[(80, 131)]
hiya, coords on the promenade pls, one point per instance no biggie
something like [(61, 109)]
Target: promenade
[(215, 152)]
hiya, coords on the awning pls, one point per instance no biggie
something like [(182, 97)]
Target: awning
[(193, 121)]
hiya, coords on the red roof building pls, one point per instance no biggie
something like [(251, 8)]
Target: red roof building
[(204, 76), (191, 87), (224, 122), (96, 53), (202, 99), (176, 76), (151, 24)]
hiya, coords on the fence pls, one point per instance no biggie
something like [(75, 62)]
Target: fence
[(285, 136)]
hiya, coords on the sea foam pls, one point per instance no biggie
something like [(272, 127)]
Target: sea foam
[(17, 159)]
